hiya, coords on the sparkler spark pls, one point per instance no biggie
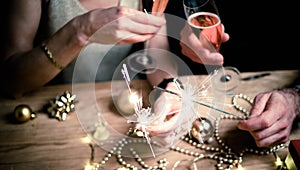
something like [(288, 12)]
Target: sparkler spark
[(187, 98), (191, 97), (144, 115)]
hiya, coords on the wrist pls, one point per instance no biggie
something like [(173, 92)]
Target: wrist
[(293, 94), (297, 100), (175, 82), (171, 84)]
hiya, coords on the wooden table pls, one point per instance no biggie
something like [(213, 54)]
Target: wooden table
[(46, 143)]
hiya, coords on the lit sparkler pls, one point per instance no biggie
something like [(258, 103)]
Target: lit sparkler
[(191, 95), (144, 116)]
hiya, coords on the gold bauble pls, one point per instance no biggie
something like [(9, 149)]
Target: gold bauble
[(23, 113), (125, 103)]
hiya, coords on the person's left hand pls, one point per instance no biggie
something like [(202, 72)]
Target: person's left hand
[(168, 106), (200, 49), (271, 118)]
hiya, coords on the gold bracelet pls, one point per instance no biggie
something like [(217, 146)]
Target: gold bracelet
[(50, 56)]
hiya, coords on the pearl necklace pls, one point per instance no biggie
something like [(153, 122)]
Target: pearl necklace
[(117, 151), (223, 154), (240, 108)]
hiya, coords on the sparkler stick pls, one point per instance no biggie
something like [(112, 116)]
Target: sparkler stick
[(210, 106), (193, 100), (159, 5), (126, 76), (138, 109)]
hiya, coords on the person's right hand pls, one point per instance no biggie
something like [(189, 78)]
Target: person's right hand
[(272, 116), (200, 50), (121, 25)]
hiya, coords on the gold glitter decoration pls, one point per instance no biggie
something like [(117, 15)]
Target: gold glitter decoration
[(61, 106)]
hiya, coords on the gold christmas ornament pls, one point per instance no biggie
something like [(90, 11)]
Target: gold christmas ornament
[(23, 113), (125, 102)]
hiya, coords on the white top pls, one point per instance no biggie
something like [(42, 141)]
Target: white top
[(86, 67)]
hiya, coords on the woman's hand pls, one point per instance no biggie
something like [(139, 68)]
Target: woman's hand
[(121, 25), (200, 49), (165, 129)]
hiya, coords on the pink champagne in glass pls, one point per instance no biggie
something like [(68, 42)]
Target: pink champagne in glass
[(203, 15)]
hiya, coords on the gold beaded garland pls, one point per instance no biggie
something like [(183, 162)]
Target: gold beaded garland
[(117, 150), (238, 107), (225, 157), (223, 154)]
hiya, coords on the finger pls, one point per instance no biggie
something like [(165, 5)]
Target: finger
[(134, 38), (271, 139), (259, 104), (141, 17), (274, 128), (225, 36), (213, 58), (264, 114), (251, 124), (163, 127), (148, 20), (131, 26), (202, 56), (256, 123), (137, 22)]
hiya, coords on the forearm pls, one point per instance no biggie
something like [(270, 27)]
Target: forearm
[(28, 70), (159, 50), (167, 68)]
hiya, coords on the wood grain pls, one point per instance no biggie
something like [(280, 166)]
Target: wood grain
[(45, 143)]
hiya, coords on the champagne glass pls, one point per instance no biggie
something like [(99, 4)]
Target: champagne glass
[(203, 15), (226, 78), (141, 61)]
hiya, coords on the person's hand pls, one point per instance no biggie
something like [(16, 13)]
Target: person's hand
[(168, 106), (121, 25), (200, 49), (271, 117)]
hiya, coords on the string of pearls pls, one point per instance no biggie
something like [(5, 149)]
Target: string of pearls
[(240, 108), (225, 157), (117, 151)]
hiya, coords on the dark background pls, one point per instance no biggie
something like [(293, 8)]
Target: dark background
[(264, 35)]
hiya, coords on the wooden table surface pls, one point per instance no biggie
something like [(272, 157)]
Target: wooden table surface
[(46, 143)]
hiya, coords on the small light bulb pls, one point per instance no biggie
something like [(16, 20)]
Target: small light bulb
[(134, 98), (240, 167), (88, 167), (278, 162), (86, 140)]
